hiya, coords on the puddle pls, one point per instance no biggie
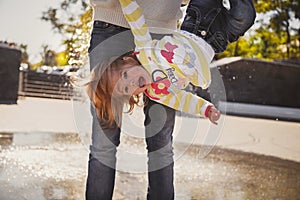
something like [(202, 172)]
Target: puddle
[(54, 165)]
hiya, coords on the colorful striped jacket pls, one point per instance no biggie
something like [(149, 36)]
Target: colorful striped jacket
[(173, 62)]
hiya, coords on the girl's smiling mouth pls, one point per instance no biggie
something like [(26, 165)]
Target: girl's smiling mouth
[(142, 82)]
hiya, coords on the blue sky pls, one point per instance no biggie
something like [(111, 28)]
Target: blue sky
[(20, 22)]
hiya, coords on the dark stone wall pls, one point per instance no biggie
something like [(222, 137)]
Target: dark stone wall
[(10, 60), (258, 82), (45, 85)]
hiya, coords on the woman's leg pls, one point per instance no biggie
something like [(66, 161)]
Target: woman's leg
[(102, 160), (159, 125)]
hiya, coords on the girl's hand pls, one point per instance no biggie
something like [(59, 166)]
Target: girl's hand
[(213, 115)]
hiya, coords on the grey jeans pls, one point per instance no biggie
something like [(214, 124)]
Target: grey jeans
[(102, 161)]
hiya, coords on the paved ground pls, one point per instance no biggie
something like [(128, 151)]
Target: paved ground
[(42, 157), (53, 166), (262, 136)]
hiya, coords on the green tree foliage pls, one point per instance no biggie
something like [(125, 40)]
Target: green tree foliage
[(24, 54), (276, 38), (284, 15), (242, 47), (278, 35), (72, 19), (268, 45), (48, 57)]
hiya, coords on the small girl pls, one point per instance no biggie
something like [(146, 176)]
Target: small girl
[(159, 69)]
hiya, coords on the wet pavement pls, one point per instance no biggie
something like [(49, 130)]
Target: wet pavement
[(45, 165)]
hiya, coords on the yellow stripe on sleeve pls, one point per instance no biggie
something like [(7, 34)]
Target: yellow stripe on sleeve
[(166, 99), (178, 99), (199, 105), (125, 3), (187, 103), (142, 31), (134, 16), (140, 43)]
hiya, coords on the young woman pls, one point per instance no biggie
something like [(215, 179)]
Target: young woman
[(159, 69), (109, 24)]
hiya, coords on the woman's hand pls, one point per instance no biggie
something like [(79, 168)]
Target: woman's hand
[(213, 115)]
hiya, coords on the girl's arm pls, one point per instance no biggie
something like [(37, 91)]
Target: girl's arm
[(135, 18), (189, 103), (183, 101)]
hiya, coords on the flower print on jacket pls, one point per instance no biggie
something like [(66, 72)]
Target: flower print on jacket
[(168, 55), (161, 85)]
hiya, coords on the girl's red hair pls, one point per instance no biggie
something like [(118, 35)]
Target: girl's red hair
[(109, 108)]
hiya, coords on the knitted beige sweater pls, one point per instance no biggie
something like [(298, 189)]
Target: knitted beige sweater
[(158, 13)]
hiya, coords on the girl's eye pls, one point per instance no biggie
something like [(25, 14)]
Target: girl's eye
[(126, 89), (125, 75)]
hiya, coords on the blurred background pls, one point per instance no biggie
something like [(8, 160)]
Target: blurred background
[(56, 33), (44, 150)]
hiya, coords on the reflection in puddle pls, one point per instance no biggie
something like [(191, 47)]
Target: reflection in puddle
[(45, 138), (6, 139), (53, 166), (228, 174)]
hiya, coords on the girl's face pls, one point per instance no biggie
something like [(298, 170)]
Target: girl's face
[(132, 79)]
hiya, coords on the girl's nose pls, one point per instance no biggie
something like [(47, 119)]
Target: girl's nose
[(132, 82)]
